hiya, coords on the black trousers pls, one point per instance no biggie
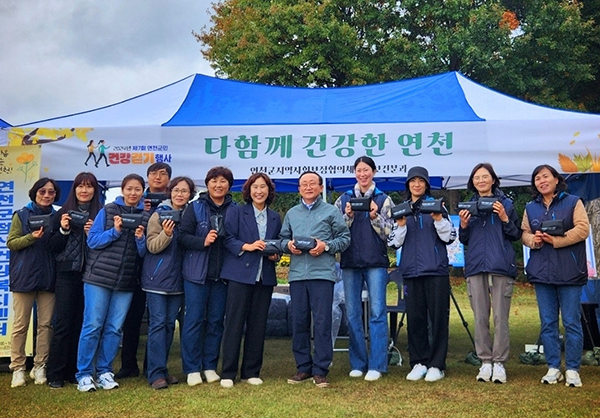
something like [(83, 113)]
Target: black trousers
[(427, 314), (247, 305), (68, 317), (131, 331)]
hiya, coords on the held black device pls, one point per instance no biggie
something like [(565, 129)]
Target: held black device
[(36, 222), (486, 204), (78, 219), (273, 247), (554, 227), (131, 220), (169, 215), (402, 210), (216, 223), (432, 206), (305, 243), (155, 198), (360, 204), (471, 206)]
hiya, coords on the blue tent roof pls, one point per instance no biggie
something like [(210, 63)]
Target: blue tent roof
[(4, 124), (213, 101)]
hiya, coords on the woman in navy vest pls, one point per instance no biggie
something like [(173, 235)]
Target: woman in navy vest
[(68, 242), (251, 277), (424, 267), (162, 281), (366, 262), (557, 267), (490, 269), (112, 272), (202, 235), (32, 280)]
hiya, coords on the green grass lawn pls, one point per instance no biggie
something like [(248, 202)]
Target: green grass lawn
[(392, 396)]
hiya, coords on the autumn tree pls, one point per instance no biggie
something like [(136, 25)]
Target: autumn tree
[(533, 49)]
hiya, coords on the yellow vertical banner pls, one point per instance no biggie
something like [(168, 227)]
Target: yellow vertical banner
[(19, 170)]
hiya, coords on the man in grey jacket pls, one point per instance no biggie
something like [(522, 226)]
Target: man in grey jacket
[(312, 276)]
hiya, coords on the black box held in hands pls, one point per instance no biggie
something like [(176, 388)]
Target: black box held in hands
[(402, 210), (554, 227), (486, 204), (470, 206), (273, 247), (155, 198), (36, 222), (169, 215), (131, 220), (432, 206), (78, 219), (305, 243), (360, 204)]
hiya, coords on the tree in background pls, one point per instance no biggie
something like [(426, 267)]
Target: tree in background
[(533, 49)]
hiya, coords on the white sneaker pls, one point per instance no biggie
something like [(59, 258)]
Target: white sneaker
[(18, 379), (194, 379), (226, 383), (485, 373), (107, 382), (211, 376), (572, 379), (254, 381), (355, 373), (418, 372), (434, 374), (552, 377), (38, 374), (86, 384), (499, 375), (372, 375)]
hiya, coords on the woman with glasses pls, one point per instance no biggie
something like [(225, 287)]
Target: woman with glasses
[(32, 280), (70, 229), (250, 275), (490, 268), (162, 281)]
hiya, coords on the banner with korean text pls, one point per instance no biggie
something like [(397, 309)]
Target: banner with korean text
[(19, 169)]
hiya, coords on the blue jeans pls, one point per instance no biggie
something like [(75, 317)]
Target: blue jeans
[(550, 299), (103, 316), (376, 280), (162, 312), (203, 325)]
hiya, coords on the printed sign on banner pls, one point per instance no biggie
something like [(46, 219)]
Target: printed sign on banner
[(19, 169)]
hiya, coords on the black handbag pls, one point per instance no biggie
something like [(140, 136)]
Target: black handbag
[(305, 243), (554, 227), (169, 215), (131, 220), (78, 219), (36, 222), (273, 246), (360, 204)]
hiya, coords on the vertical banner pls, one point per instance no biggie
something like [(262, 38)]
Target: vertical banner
[(19, 169)]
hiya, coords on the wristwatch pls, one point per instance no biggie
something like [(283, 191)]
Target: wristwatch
[(326, 247)]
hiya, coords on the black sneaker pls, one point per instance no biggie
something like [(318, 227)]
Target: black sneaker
[(56, 384), (125, 373), (299, 378), (320, 381)]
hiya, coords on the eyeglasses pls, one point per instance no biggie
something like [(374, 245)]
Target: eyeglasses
[(482, 178), (180, 191), (307, 185), (44, 192), (160, 173)]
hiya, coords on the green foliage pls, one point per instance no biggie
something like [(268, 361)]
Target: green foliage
[(546, 51)]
